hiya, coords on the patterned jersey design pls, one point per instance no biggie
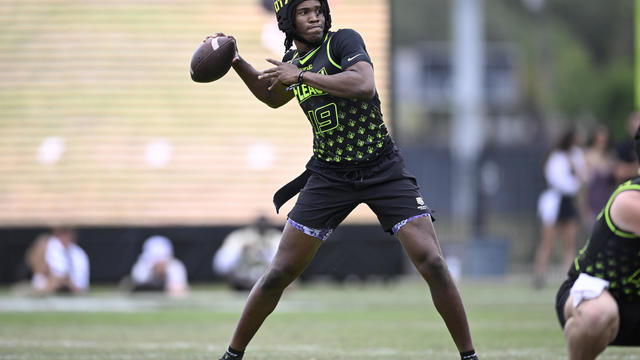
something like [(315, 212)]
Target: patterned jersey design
[(612, 254), (345, 131)]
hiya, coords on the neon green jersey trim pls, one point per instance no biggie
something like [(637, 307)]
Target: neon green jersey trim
[(329, 56), (624, 187), (309, 55), (584, 248)]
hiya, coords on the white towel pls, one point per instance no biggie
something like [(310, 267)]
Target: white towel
[(587, 287)]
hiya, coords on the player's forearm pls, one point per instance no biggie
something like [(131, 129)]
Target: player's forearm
[(249, 76), (348, 84), (258, 87)]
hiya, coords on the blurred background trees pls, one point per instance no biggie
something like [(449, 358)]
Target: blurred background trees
[(575, 57)]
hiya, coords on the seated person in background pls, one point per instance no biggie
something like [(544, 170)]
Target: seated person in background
[(158, 270), (58, 264), (599, 302), (246, 253)]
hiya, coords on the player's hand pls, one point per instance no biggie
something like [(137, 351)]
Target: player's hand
[(216, 35), (236, 57), (283, 73)]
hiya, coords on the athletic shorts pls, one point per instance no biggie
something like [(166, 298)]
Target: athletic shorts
[(629, 317), (330, 194), (567, 211)]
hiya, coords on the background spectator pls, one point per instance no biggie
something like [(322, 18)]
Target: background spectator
[(564, 173), (600, 181), (58, 264), (157, 269), (246, 253), (626, 160)]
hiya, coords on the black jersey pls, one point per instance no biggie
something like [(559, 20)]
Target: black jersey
[(612, 253), (345, 131)]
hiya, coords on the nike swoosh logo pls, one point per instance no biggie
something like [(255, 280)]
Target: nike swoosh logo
[(353, 57)]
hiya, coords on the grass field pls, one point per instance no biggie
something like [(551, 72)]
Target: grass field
[(509, 320)]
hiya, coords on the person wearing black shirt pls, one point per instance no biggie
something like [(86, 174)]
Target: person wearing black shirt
[(599, 302), (354, 161)]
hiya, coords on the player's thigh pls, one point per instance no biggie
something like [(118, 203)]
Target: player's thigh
[(600, 313), (418, 237), (295, 251)]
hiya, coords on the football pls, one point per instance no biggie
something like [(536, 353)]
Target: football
[(212, 59)]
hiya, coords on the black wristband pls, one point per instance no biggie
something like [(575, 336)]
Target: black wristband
[(300, 75)]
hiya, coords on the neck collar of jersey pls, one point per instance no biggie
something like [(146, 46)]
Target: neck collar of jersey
[(310, 54)]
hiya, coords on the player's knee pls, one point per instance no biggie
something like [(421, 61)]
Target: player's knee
[(276, 279), (432, 265), (595, 323), (597, 319)]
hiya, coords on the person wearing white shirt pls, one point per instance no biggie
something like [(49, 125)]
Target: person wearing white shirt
[(564, 172), (246, 253), (157, 268), (58, 263)]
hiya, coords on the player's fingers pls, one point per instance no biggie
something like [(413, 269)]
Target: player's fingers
[(267, 75), (213, 36), (273, 61), (219, 34), (270, 70), (234, 41)]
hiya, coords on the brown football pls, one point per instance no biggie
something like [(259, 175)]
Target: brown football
[(212, 59)]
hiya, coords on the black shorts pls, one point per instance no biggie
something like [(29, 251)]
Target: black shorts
[(629, 317), (330, 194), (568, 210)]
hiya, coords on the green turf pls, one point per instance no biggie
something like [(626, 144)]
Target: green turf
[(321, 322)]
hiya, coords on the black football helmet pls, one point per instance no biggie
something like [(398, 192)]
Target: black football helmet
[(286, 18)]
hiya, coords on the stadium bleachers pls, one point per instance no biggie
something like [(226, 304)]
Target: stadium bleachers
[(100, 123)]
